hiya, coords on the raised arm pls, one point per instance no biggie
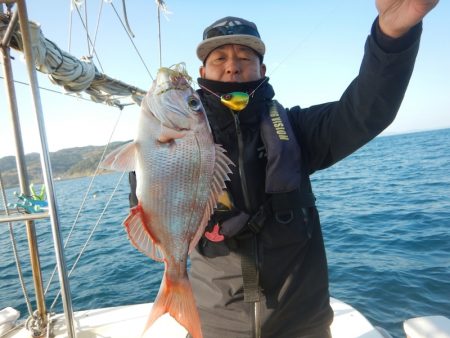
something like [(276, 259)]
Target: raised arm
[(331, 131)]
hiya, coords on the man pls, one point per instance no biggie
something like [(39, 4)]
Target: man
[(260, 269)]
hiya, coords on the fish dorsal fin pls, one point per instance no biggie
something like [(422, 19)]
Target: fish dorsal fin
[(121, 159), (139, 236), (221, 172)]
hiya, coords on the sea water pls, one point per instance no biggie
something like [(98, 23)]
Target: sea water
[(385, 214)]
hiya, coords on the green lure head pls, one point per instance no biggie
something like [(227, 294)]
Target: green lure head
[(236, 100)]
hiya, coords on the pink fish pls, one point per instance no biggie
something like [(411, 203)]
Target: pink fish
[(180, 174)]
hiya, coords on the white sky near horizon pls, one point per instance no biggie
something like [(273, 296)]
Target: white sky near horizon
[(314, 50)]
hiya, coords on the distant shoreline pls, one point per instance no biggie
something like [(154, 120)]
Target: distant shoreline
[(66, 164)]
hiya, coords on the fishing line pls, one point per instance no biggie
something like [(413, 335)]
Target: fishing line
[(161, 6), (308, 35), (159, 36)]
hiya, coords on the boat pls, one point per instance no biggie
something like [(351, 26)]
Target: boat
[(128, 320)]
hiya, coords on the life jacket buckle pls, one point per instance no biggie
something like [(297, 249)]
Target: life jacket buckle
[(256, 222), (284, 217)]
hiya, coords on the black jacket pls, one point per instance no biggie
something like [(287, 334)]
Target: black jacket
[(292, 265)]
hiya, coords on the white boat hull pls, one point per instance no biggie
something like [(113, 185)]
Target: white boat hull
[(128, 321)]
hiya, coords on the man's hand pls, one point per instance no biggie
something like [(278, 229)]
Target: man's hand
[(396, 17)]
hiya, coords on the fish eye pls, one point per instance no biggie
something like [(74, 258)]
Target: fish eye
[(194, 103)]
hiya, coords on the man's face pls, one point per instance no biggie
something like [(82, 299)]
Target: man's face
[(233, 63)]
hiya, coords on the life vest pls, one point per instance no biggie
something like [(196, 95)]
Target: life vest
[(283, 185)]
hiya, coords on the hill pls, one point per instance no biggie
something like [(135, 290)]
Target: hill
[(66, 163)]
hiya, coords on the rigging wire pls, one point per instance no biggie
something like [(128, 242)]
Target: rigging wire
[(74, 96), (90, 236), (88, 37), (96, 28), (86, 195), (69, 43), (132, 42), (160, 5), (15, 251), (87, 28)]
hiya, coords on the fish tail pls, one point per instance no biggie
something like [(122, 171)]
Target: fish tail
[(176, 298)]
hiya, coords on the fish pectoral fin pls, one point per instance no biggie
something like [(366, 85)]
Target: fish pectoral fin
[(121, 159), (140, 236), (168, 134), (220, 175)]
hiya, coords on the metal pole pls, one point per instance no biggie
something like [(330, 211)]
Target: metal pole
[(10, 29), (22, 175), (45, 162), (22, 217)]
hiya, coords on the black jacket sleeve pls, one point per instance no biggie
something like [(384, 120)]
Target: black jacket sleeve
[(331, 131)]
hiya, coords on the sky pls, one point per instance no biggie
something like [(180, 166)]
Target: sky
[(313, 52)]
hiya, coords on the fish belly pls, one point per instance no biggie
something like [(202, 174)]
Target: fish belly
[(174, 184)]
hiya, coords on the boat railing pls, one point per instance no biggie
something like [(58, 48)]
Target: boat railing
[(17, 32), (20, 18)]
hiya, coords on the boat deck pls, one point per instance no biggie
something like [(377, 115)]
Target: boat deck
[(128, 321)]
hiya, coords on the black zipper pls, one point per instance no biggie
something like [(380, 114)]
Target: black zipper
[(241, 161), (249, 207)]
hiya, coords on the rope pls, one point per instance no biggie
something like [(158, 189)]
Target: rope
[(125, 16), (15, 251), (73, 74)]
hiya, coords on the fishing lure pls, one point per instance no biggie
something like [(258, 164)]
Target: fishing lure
[(236, 100)]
